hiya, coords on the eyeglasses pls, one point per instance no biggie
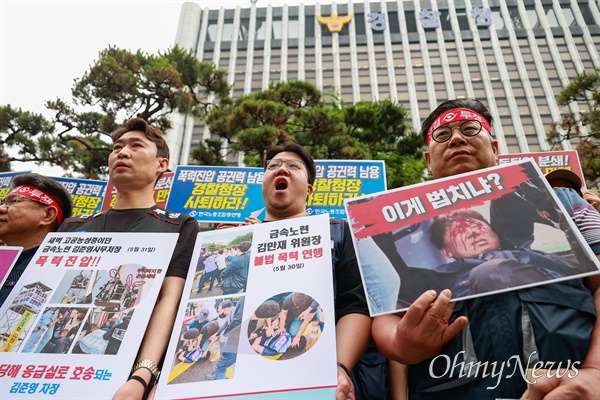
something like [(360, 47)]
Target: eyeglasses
[(291, 164), (13, 199), (467, 128)]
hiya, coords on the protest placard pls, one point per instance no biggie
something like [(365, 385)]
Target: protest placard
[(87, 194), (549, 161), (217, 194), (74, 322), (231, 194), (478, 233), (338, 180), (263, 326)]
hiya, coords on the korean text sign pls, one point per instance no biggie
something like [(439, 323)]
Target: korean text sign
[(338, 180), (87, 194), (275, 309), (231, 194), (549, 161), (488, 231), (6, 179), (75, 320)]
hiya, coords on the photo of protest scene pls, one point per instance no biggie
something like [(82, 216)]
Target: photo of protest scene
[(285, 326), (124, 287), (222, 268), (55, 330), (77, 287), (103, 332), (477, 234), (23, 309), (208, 341)]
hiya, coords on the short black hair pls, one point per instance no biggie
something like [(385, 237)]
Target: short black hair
[(471, 104), (303, 300), (153, 134), (225, 304), (244, 246), (268, 309), (49, 186), (304, 155), (191, 333)]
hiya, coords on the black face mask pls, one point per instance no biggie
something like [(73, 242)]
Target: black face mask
[(222, 315)]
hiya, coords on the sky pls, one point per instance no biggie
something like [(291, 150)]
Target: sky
[(45, 45)]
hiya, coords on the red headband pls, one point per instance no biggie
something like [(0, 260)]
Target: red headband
[(457, 114), (39, 196)]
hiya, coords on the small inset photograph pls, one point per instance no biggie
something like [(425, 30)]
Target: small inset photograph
[(103, 332), (123, 287), (222, 268), (25, 305), (208, 341), (55, 330), (77, 287), (286, 326)]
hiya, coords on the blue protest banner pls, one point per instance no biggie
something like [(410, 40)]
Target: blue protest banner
[(87, 194), (231, 194), (217, 194), (339, 179), (6, 179)]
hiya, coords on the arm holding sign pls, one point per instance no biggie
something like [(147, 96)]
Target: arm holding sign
[(156, 338), (421, 331)]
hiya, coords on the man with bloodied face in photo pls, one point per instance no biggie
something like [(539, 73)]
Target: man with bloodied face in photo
[(483, 262)]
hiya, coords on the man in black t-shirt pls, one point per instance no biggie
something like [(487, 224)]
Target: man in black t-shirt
[(289, 175), (140, 155)]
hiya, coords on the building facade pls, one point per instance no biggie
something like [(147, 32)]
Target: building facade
[(514, 55)]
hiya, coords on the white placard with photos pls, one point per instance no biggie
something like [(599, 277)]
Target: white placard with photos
[(74, 322), (257, 316)]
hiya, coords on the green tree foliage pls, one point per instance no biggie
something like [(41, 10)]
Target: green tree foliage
[(246, 237), (295, 111), (585, 90), (119, 85)]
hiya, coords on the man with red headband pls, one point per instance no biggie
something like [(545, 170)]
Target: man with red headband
[(139, 156), (35, 206), (502, 335)]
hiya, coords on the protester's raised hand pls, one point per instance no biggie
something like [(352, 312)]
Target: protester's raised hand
[(426, 322), (421, 332)]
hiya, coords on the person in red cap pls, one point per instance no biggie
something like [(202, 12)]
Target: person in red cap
[(35, 206)]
